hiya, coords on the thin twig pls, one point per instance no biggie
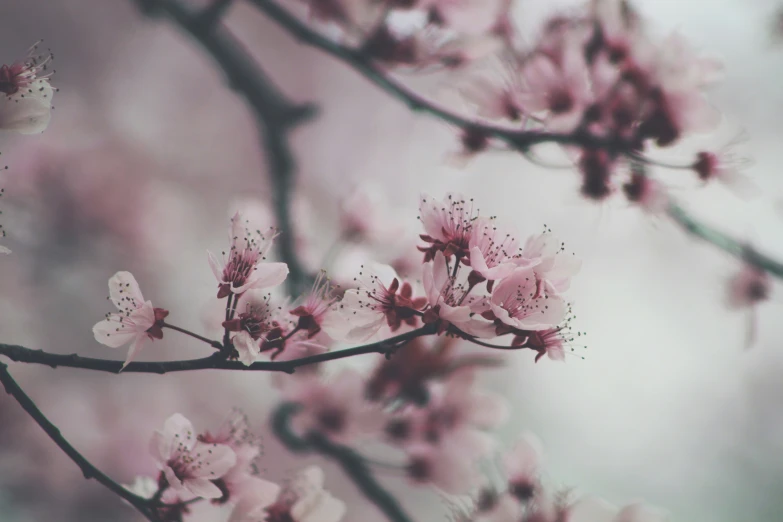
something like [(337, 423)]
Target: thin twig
[(520, 140), (214, 344), (275, 115), (216, 361), (88, 469), (353, 464)]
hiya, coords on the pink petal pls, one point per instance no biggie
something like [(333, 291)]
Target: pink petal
[(216, 266), (177, 435), (216, 460), (106, 332), (202, 487), (135, 347), (266, 275), (124, 291)]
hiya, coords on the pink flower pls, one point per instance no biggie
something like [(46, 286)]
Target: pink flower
[(560, 88), (251, 326), (494, 253), (447, 225), (365, 215), (648, 193), (314, 307), (335, 408), (450, 301), (381, 304), (244, 269), (522, 465), (726, 167), (518, 302), (136, 321), (748, 287), (190, 466), (235, 433), (254, 500), (496, 98), (302, 500), (552, 267), (25, 95), (449, 465)]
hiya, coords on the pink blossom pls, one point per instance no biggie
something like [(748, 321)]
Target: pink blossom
[(136, 321), (254, 500), (449, 465), (335, 407), (380, 305), (315, 305), (365, 215), (447, 225), (304, 499), (496, 97), (648, 193), (552, 267), (750, 286), (251, 326), (518, 302), (560, 89), (726, 167), (235, 433), (26, 95), (450, 301), (244, 268), (522, 465), (190, 466), (494, 253)]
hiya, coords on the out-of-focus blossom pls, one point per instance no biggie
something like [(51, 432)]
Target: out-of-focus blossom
[(244, 267), (26, 95), (254, 501), (335, 408), (380, 304), (304, 499), (190, 466), (749, 287), (648, 193), (315, 305), (136, 321), (366, 216), (522, 466), (145, 487)]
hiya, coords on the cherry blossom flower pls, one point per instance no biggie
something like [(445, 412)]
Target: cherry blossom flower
[(447, 225), (449, 299), (518, 302), (560, 89), (522, 466), (365, 215), (447, 465), (257, 496), (244, 268), (744, 291), (726, 167), (235, 433), (136, 321), (496, 96), (251, 326), (648, 193), (552, 267), (493, 253), (190, 466), (26, 95), (314, 307), (381, 304), (302, 500), (335, 408)]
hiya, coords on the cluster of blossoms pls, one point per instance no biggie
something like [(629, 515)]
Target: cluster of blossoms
[(220, 467)]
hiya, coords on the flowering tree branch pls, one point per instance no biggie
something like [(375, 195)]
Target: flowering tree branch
[(216, 361), (520, 140), (275, 115), (352, 463), (88, 469)]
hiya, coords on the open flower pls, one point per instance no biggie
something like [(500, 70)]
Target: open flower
[(242, 269), (380, 304), (136, 321), (251, 326), (522, 465), (25, 95), (314, 307), (517, 302), (190, 466), (447, 225), (450, 300), (551, 265), (494, 253)]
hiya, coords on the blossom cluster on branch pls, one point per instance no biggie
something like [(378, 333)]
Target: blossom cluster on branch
[(594, 81)]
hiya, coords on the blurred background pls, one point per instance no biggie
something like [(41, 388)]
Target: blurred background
[(148, 152)]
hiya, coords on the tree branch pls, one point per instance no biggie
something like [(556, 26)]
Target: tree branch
[(215, 361), (520, 140), (353, 464), (275, 115), (88, 470)]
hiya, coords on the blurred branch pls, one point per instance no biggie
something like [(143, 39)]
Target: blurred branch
[(520, 140), (353, 464), (276, 116), (88, 470), (217, 361)]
